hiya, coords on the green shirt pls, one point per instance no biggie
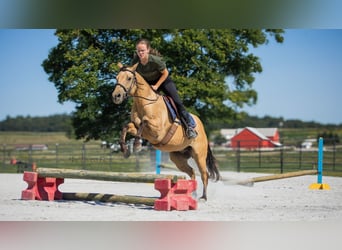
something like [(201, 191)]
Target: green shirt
[(151, 71)]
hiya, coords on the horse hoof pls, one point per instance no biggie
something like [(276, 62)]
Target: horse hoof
[(137, 149), (203, 198)]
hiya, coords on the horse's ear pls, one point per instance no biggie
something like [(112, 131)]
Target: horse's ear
[(120, 65), (134, 67)]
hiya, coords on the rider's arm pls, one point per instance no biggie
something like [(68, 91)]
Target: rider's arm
[(162, 78)]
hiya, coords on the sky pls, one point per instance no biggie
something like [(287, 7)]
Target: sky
[(301, 77), (24, 85)]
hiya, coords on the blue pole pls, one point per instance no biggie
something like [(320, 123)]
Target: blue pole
[(320, 160), (158, 161)]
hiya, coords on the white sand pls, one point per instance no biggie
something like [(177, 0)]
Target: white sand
[(280, 200)]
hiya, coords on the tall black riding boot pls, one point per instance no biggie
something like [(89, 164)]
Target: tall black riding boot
[(190, 131)]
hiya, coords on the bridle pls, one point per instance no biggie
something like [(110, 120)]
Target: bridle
[(134, 82)]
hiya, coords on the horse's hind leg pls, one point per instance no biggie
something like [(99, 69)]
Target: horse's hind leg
[(202, 167), (181, 161)]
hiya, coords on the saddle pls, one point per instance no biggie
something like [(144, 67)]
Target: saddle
[(173, 112)]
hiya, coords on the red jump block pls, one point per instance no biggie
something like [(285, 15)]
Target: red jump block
[(41, 188), (175, 196)]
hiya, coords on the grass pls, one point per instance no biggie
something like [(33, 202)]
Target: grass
[(66, 153), (294, 136), (34, 138)]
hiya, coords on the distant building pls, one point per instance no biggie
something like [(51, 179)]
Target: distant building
[(307, 143), (249, 137)]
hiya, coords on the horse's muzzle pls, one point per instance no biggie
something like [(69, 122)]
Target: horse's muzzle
[(117, 98), (119, 94)]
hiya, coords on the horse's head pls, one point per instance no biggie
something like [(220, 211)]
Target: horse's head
[(125, 84)]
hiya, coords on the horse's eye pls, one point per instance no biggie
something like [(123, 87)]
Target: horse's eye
[(129, 78)]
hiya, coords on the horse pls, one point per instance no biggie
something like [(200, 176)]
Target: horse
[(151, 121)]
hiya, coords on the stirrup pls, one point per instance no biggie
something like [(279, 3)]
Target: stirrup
[(191, 133)]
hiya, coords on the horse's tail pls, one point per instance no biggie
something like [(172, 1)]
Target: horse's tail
[(212, 167)]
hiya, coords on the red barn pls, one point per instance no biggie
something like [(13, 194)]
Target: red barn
[(256, 138)]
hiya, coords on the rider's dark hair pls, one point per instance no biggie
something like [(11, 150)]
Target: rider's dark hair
[(148, 45)]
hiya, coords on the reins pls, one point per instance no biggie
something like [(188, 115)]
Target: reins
[(135, 82)]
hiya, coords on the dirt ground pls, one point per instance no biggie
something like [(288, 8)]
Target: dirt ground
[(279, 200)]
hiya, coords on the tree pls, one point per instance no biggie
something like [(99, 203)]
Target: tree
[(329, 138), (83, 68), (53, 123)]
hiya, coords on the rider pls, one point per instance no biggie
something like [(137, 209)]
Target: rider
[(153, 69)]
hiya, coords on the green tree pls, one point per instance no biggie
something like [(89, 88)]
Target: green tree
[(329, 138), (61, 123), (83, 68)]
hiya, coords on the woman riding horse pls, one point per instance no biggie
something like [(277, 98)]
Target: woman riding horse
[(153, 69)]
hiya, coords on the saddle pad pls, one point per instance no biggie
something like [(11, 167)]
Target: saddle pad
[(173, 111)]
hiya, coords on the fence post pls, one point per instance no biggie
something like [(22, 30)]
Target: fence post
[(57, 154), (83, 156), (238, 156), (319, 184), (30, 154), (110, 159), (282, 159), (4, 154), (300, 157), (137, 161), (259, 145), (320, 160), (334, 154)]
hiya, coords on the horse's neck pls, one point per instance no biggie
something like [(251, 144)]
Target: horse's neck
[(147, 101), (144, 90), (152, 111)]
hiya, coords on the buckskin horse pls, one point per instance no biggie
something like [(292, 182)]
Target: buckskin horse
[(150, 120)]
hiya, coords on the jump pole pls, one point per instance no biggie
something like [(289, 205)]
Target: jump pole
[(319, 184), (251, 181), (109, 198), (104, 176)]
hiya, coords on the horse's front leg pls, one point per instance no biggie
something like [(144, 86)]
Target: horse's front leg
[(129, 128)]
